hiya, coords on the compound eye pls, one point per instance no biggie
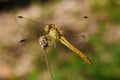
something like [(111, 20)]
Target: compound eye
[(47, 28)]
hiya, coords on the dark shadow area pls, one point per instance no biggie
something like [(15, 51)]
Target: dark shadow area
[(8, 5)]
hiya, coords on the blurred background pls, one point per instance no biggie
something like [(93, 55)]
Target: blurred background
[(98, 37)]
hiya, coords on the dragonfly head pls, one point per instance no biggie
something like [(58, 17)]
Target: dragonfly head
[(48, 27)]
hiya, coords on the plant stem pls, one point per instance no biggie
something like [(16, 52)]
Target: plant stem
[(48, 64)]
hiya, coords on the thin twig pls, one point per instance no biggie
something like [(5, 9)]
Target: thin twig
[(43, 40), (48, 64)]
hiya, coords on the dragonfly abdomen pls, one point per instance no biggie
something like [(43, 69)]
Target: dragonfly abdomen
[(64, 41)]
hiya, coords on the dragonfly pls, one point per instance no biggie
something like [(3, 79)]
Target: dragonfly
[(56, 33)]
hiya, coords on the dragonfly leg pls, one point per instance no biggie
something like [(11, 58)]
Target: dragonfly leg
[(53, 43), (52, 40)]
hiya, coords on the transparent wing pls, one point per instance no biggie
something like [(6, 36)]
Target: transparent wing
[(31, 29), (73, 30), (76, 32)]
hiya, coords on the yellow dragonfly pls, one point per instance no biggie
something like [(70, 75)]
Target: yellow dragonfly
[(56, 33)]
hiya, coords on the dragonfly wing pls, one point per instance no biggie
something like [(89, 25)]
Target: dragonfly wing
[(74, 30), (77, 38), (30, 30)]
